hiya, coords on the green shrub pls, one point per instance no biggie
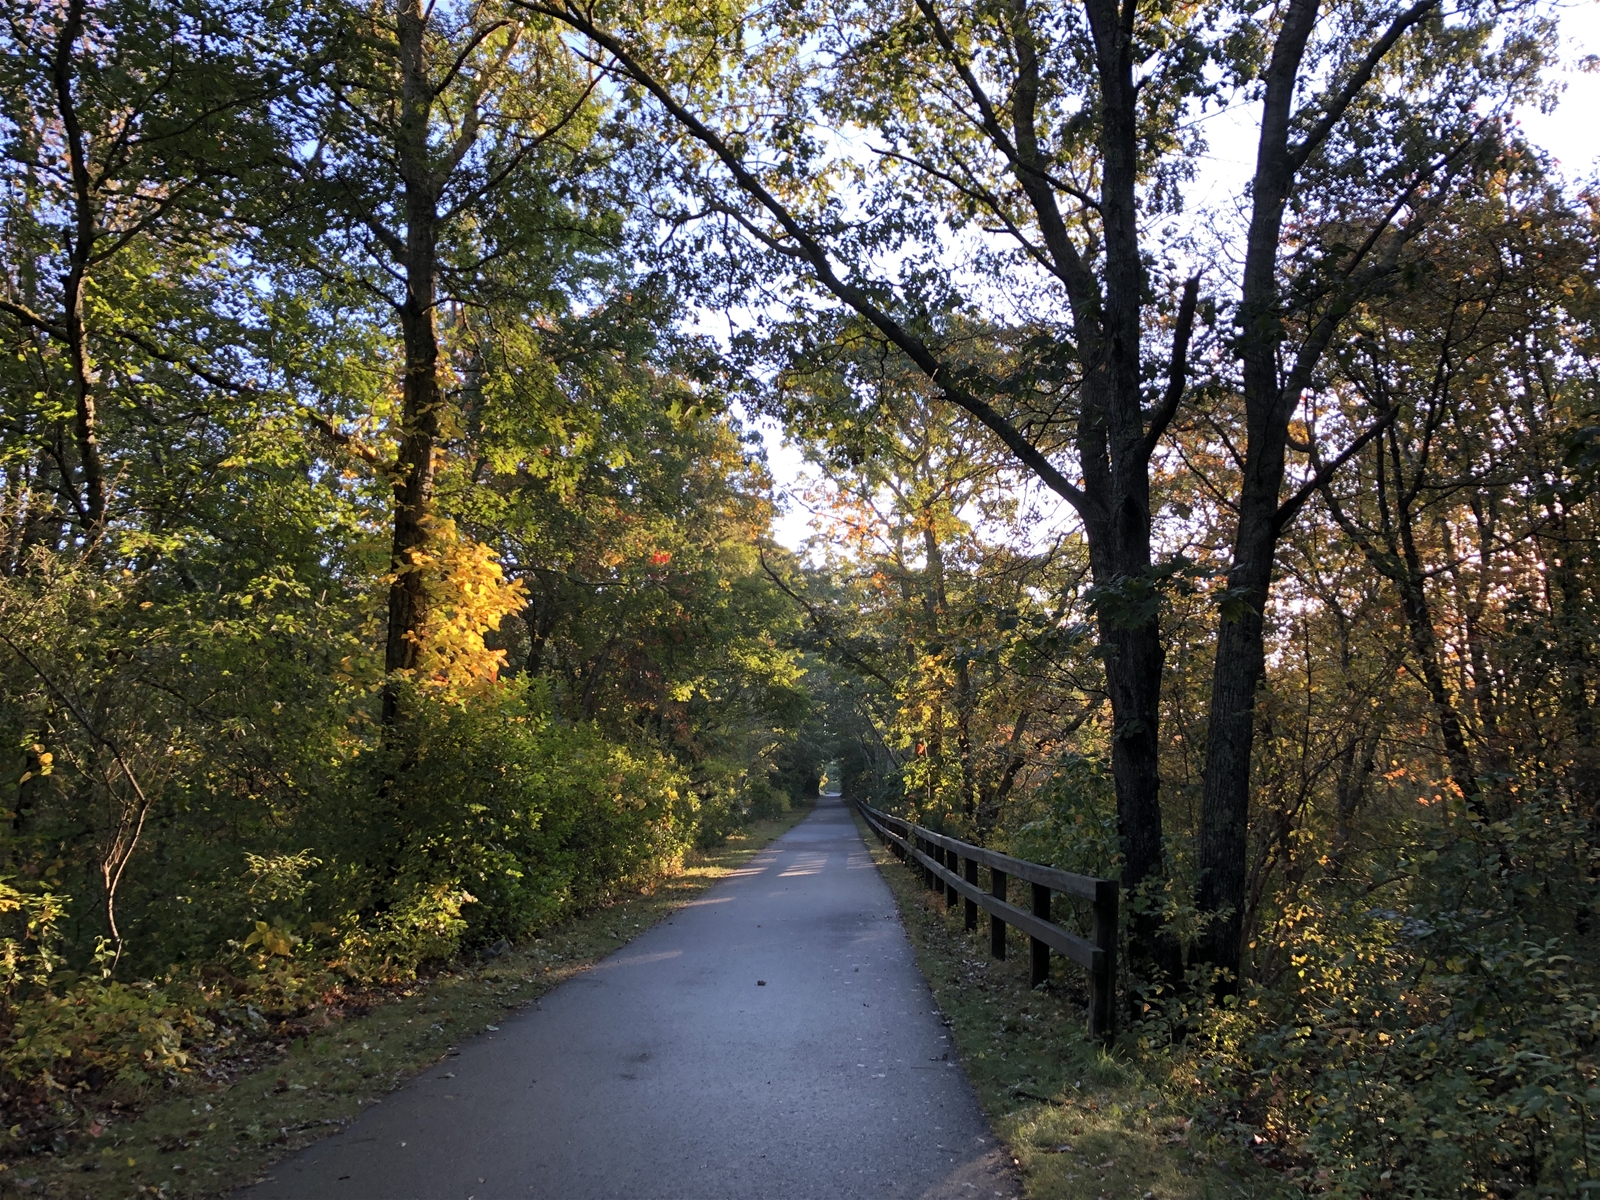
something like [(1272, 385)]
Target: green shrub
[(494, 819), (1070, 820), (96, 1032), (62, 1030), (425, 927), (1441, 1043)]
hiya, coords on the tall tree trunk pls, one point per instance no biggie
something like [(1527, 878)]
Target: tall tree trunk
[(414, 468), (1271, 395), (80, 251), (1133, 684), (1225, 799), (1114, 449), (1240, 656)]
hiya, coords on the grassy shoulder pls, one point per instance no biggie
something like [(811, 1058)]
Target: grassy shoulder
[(1080, 1120), (206, 1138)]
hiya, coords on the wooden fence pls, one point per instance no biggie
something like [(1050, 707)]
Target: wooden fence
[(952, 866)]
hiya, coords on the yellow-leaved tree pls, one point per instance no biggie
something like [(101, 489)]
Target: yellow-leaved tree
[(468, 596)]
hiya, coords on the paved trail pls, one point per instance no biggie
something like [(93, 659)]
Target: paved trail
[(669, 1071)]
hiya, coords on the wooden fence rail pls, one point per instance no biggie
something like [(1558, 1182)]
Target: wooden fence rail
[(952, 866)]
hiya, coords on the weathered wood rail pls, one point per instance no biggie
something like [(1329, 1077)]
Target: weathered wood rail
[(951, 865)]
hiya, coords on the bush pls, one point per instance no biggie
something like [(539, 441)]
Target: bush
[(425, 927), (1442, 1044), (28, 950), (495, 819), (95, 1032)]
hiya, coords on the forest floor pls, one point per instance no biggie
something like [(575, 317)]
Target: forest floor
[(205, 1138), (1081, 1122)]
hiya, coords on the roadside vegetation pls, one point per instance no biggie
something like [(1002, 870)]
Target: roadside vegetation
[(301, 1075), (1080, 1118)]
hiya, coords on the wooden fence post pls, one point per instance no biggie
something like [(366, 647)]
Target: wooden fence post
[(951, 866), (1103, 983), (997, 927), (972, 905), (1039, 960)]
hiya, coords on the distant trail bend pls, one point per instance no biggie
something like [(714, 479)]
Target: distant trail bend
[(671, 1070)]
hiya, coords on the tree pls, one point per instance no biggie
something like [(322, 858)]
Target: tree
[(969, 680), (132, 124), (1467, 362), (1049, 139), (443, 145)]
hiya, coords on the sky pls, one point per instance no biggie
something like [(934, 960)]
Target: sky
[(1571, 133)]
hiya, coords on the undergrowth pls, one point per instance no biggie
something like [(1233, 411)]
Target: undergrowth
[(304, 1072), (1080, 1120)]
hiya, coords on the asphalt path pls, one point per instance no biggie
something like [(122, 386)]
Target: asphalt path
[(771, 1039)]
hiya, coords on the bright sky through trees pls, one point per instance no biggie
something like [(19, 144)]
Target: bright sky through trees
[(1571, 133)]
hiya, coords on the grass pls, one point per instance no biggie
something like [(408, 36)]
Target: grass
[(210, 1138), (1081, 1120)]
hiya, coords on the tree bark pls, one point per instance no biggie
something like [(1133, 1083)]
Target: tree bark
[(1225, 800), (414, 467), (1114, 448)]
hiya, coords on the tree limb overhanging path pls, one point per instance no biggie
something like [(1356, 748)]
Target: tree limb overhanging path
[(670, 1070)]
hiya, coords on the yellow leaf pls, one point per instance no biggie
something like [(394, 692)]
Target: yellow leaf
[(468, 596)]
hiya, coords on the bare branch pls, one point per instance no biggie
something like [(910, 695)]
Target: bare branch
[(28, 317), (473, 43), (1326, 471), (1178, 372)]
